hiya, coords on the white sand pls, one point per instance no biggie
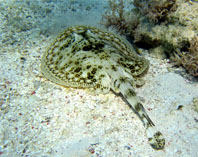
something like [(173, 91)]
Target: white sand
[(39, 118)]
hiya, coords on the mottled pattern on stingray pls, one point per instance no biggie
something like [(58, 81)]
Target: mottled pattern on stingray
[(86, 57)]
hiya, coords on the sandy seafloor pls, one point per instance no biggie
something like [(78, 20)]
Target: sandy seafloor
[(40, 118)]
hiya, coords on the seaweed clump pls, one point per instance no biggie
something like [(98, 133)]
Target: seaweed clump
[(166, 28), (189, 60), (156, 10), (117, 18)]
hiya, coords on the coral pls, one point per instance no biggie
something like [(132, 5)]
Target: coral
[(168, 26), (185, 15)]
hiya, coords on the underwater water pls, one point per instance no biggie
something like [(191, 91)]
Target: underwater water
[(41, 118)]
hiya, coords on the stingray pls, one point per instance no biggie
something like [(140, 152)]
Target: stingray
[(87, 57)]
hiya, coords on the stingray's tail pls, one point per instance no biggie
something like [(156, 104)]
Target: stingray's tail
[(155, 137)]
